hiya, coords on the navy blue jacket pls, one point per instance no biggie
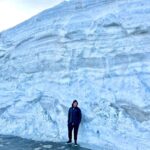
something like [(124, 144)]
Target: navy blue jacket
[(74, 115)]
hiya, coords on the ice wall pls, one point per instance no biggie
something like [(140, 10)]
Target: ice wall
[(99, 54)]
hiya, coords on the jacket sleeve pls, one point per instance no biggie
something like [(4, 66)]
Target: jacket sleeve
[(80, 115), (68, 115)]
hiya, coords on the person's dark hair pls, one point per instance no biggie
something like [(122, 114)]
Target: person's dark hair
[(74, 102)]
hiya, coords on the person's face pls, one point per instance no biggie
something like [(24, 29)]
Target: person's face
[(75, 104)]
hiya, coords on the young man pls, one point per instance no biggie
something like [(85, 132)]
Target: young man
[(74, 119)]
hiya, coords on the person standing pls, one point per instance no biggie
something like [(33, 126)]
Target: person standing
[(74, 119)]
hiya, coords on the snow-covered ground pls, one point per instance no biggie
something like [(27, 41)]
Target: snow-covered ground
[(8, 142), (97, 52)]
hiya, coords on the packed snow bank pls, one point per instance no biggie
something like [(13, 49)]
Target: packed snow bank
[(97, 52)]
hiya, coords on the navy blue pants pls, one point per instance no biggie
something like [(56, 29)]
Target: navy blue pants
[(70, 127)]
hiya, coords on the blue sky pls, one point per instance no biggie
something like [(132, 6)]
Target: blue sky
[(13, 12)]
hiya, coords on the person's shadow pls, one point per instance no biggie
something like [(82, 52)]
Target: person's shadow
[(72, 147)]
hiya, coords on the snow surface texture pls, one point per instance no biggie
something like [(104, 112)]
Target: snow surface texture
[(97, 52)]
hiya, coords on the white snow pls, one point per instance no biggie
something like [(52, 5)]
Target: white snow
[(99, 54)]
